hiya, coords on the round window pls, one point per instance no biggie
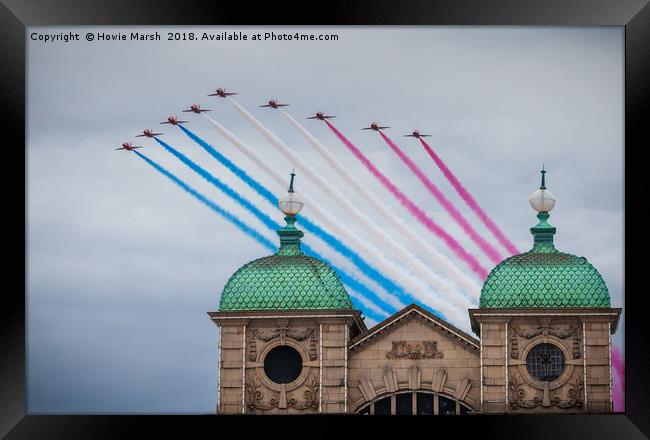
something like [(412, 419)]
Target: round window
[(283, 364), (545, 362)]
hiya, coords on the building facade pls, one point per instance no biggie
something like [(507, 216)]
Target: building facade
[(291, 341)]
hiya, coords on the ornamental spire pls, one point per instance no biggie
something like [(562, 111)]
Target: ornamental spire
[(543, 201), (290, 204)]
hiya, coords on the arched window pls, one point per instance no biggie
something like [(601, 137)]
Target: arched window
[(414, 402)]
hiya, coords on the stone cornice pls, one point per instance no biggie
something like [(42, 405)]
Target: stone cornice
[(598, 313)]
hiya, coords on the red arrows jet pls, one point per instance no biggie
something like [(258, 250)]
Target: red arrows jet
[(127, 147), (416, 134), (173, 120), (148, 133), (321, 116), (222, 93), (374, 126), (274, 104), (195, 108)]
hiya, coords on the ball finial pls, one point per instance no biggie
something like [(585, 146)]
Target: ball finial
[(290, 204), (542, 200)]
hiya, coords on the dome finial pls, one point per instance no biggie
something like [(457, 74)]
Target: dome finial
[(542, 200), (293, 174), (290, 204)]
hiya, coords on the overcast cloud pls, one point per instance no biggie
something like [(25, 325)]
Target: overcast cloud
[(123, 265)]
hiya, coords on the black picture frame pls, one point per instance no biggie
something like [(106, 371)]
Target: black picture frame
[(16, 15)]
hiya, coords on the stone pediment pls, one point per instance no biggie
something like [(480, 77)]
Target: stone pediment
[(416, 349)]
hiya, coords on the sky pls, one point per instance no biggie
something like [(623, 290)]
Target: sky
[(123, 265)]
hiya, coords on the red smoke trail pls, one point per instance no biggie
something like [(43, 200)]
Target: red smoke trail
[(618, 379), (467, 197), (486, 247), (412, 207)]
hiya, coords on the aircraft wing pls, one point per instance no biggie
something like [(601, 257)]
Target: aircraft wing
[(121, 148), (139, 135), (282, 105), (266, 105), (186, 110), (136, 147), (166, 122)]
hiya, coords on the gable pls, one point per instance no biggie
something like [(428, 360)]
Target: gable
[(417, 328)]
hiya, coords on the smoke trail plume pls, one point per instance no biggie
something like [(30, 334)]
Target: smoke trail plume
[(436, 282), (385, 283), (486, 247), (265, 219), (618, 379), (375, 312), (210, 204), (470, 288), (329, 220), (469, 200), (470, 260)]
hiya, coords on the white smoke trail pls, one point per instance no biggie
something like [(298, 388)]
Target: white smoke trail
[(328, 220), (367, 303), (439, 284), (469, 286)]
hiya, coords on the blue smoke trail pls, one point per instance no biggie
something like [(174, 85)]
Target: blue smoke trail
[(248, 230), (385, 282), (265, 219), (210, 204)]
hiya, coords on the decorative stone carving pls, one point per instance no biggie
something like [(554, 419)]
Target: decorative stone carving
[(414, 350), (309, 395), (255, 397), (574, 395), (517, 397), (546, 329), (284, 332)]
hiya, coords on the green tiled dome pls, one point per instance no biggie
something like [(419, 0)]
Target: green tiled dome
[(287, 280), (544, 277)]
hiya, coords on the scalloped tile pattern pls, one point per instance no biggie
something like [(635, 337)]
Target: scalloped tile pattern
[(544, 277), (285, 282)]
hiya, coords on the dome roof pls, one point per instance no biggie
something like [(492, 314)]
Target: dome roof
[(544, 277), (287, 280), (284, 282), (552, 279)]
